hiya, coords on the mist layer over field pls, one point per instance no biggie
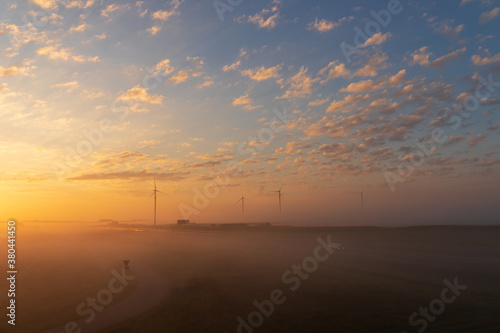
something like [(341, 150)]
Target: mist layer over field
[(261, 278)]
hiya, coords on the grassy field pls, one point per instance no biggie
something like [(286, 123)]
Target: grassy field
[(215, 273)]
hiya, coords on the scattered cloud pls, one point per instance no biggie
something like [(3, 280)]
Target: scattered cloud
[(262, 73), (47, 4), (489, 15), (377, 39), (325, 25), (421, 57), (483, 61), (137, 97), (474, 141), (299, 86), (334, 70), (262, 22), (380, 83), (57, 52), (232, 67), (110, 9), (69, 86), (80, 28), (154, 29), (447, 29), (20, 69)]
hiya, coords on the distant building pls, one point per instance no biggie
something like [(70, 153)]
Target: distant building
[(182, 221)]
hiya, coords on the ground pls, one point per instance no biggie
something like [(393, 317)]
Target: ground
[(206, 278)]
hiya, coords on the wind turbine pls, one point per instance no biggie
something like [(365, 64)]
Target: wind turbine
[(362, 198), (242, 204), (280, 196), (154, 194)]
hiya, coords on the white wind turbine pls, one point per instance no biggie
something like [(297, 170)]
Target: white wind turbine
[(362, 198), (280, 196), (154, 194), (242, 199)]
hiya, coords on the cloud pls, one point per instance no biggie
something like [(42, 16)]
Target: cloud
[(479, 61), (47, 4), (149, 143), (249, 162), (447, 29), (205, 84), (21, 35), (79, 4), (325, 25), (489, 15), (346, 105), (376, 39), (164, 15), (381, 83), (265, 23), (181, 76), (185, 74), (231, 67), (300, 85), (318, 102), (56, 52), (80, 28), (109, 9), (335, 150), (262, 73), (242, 100), (72, 85), (245, 102), (141, 94), (421, 57), (138, 97), (489, 161), (335, 70), (453, 139), (154, 29), (14, 70), (374, 64), (474, 141), (125, 175), (163, 67)]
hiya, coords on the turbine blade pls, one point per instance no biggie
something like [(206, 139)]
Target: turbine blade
[(151, 195)]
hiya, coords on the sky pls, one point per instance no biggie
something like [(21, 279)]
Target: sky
[(215, 100)]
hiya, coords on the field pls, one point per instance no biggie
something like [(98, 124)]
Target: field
[(216, 278)]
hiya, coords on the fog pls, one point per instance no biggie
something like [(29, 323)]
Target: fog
[(244, 278)]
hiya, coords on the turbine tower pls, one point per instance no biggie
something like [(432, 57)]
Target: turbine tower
[(280, 196), (154, 194), (362, 198), (242, 204)]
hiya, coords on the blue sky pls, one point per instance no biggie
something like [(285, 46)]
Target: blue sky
[(198, 91)]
